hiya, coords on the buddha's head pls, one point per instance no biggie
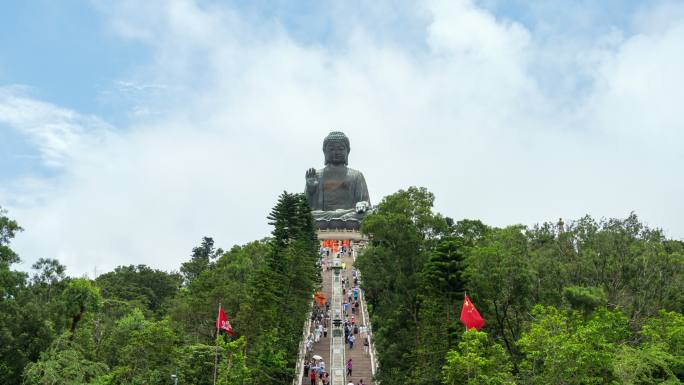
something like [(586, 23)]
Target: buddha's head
[(336, 148)]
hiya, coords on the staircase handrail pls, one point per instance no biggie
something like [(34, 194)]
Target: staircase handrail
[(301, 356), (369, 329)]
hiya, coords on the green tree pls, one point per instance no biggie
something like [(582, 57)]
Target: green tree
[(79, 297), (196, 364), (280, 290), (202, 259), (12, 356), (500, 280), (50, 274), (141, 351), (441, 290), (265, 288), (403, 231), (585, 299), (140, 285), (478, 360), (645, 365), (10, 281), (637, 268), (666, 332), (63, 363), (233, 368), (550, 254), (562, 348), (269, 359), (194, 308)]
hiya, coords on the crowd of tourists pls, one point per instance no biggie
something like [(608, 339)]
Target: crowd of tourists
[(314, 365), (315, 371), (351, 309)]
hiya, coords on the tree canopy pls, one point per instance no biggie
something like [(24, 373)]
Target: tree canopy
[(584, 302), (572, 303)]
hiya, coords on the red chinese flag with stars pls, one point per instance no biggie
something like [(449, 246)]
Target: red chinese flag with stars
[(470, 316), (223, 323)]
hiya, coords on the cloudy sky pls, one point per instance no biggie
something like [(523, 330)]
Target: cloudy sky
[(131, 129)]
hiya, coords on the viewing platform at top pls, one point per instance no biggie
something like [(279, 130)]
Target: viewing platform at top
[(340, 234)]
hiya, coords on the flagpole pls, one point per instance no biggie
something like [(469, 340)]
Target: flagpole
[(216, 342), (465, 295)]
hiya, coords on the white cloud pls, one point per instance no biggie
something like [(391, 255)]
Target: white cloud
[(58, 133), (460, 27), (245, 106)]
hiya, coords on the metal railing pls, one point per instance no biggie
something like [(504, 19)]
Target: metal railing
[(369, 329), (299, 367)]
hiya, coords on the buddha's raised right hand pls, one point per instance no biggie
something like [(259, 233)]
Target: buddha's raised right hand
[(311, 179)]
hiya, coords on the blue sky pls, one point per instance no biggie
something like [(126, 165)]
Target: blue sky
[(129, 123), (65, 52)]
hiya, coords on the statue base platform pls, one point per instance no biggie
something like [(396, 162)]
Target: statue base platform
[(330, 220), (340, 235)]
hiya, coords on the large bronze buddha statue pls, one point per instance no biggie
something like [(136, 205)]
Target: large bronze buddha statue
[(337, 194)]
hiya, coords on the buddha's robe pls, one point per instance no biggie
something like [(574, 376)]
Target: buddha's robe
[(336, 193)]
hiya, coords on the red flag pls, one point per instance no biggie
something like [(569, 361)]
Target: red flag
[(470, 316), (223, 323)]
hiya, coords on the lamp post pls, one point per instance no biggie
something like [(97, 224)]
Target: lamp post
[(337, 323), (175, 379), (336, 269)]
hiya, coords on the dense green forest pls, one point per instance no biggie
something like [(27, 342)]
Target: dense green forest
[(587, 302), (590, 302), (139, 325)]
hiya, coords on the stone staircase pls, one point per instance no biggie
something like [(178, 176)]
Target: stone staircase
[(362, 363)]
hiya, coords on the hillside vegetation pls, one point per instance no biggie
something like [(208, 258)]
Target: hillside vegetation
[(588, 302), (140, 325), (585, 302)]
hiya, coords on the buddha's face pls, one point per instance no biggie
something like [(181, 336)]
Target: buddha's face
[(336, 153)]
